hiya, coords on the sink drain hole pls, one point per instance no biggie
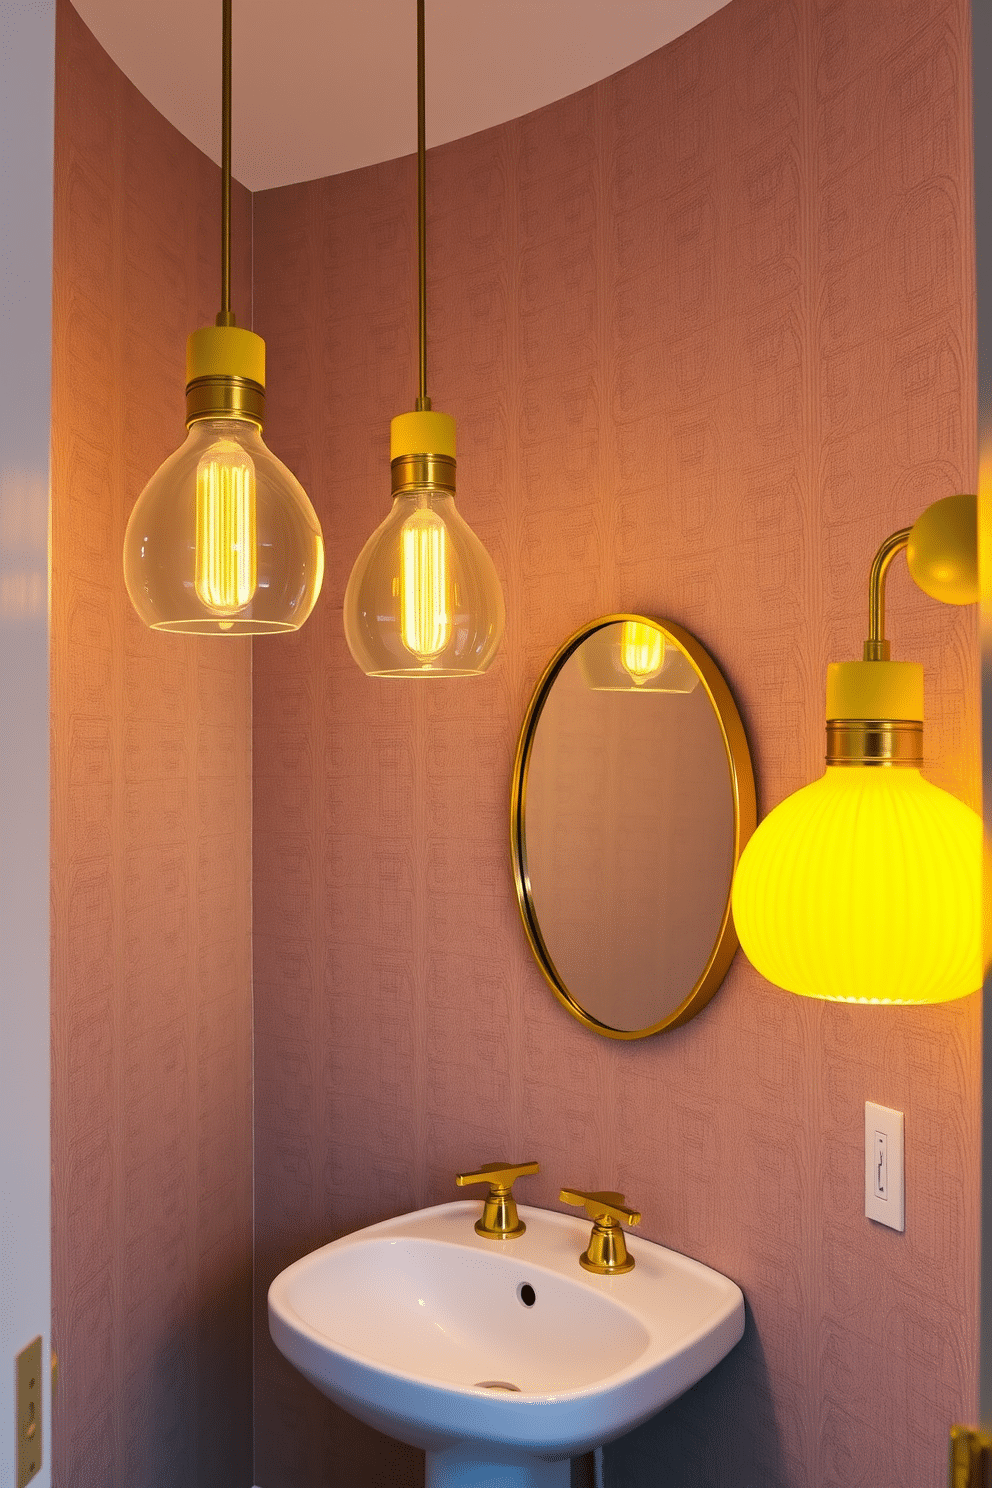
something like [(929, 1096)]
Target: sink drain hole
[(527, 1294), (497, 1385)]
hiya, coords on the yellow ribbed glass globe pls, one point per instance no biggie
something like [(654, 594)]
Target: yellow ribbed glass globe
[(865, 887)]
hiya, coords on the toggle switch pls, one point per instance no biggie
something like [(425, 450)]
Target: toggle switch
[(881, 1165)]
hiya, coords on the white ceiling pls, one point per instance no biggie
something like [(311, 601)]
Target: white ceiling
[(322, 87)]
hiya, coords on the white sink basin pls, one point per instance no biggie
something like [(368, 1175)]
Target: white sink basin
[(501, 1359)]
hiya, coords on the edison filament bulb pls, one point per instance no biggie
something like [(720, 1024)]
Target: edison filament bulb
[(226, 529), (223, 539), (423, 599)]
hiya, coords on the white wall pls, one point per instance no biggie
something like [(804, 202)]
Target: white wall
[(27, 74)]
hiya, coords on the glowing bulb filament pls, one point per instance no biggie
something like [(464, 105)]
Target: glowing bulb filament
[(226, 565), (642, 651), (425, 596)]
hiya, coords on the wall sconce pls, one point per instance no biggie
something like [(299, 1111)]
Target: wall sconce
[(866, 885)]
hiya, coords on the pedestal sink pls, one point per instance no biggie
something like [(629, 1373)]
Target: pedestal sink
[(500, 1359)]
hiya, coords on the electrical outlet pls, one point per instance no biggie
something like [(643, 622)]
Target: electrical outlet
[(28, 1412), (885, 1199)]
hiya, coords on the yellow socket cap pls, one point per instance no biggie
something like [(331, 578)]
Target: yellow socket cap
[(875, 689), (425, 433), (225, 351)]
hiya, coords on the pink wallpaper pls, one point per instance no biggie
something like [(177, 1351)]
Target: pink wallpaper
[(707, 329), (151, 852)]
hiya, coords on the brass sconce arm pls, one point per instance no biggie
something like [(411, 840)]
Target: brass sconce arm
[(942, 555), (876, 646)]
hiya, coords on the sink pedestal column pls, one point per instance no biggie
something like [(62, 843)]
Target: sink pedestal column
[(465, 1467)]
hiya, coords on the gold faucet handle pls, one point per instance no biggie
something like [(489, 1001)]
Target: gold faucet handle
[(499, 1175), (602, 1206), (607, 1252), (500, 1220)]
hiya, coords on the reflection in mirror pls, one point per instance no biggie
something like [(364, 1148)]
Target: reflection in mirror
[(632, 657), (633, 795)]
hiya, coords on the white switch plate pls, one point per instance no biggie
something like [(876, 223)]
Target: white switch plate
[(885, 1188)]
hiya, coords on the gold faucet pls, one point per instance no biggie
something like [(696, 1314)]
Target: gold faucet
[(607, 1254), (499, 1216)]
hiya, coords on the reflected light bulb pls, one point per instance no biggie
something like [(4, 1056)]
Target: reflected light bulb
[(226, 563), (425, 597), (642, 651)]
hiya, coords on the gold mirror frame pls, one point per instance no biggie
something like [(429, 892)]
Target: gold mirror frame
[(745, 817)]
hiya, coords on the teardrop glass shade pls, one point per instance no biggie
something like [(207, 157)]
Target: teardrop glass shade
[(423, 599), (223, 539), (865, 887)]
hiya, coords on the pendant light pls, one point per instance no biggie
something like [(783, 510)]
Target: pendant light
[(866, 885), (423, 599), (223, 540)]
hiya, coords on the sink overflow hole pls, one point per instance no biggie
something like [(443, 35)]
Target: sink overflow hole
[(527, 1294), (497, 1385)]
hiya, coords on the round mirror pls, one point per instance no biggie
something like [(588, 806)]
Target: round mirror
[(633, 795)]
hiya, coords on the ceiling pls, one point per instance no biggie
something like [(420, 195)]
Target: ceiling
[(322, 87)]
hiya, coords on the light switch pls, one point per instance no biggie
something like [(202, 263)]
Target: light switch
[(885, 1165)]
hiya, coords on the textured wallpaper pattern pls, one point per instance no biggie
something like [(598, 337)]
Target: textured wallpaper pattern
[(151, 901), (707, 330)]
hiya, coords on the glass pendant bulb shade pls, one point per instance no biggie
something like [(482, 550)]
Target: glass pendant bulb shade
[(423, 599), (223, 539), (866, 885)]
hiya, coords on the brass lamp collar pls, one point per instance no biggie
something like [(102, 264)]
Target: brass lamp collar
[(415, 472), (875, 741), (225, 398)]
